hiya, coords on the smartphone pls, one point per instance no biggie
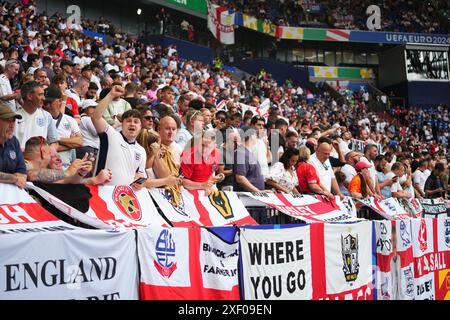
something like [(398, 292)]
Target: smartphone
[(140, 181)]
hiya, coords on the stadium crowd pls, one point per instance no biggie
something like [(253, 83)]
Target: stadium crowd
[(76, 111), (396, 15)]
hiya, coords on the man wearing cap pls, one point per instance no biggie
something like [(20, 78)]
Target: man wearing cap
[(69, 133), (67, 68), (96, 73), (35, 121), (7, 96), (91, 141), (12, 164)]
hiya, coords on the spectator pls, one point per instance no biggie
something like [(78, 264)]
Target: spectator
[(119, 151), (115, 109), (194, 123), (7, 96), (70, 137), (358, 186), (35, 121), (370, 153), (283, 176), (261, 149), (419, 178), (165, 107), (434, 188), (308, 180), (199, 164), (248, 176), (384, 183), (351, 158), (12, 165), (91, 141), (320, 161), (398, 171)]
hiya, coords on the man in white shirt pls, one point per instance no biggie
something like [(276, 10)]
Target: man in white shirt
[(111, 65), (398, 171), (68, 131), (119, 151), (91, 141), (419, 178), (194, 123), (35, 121), (351, 158), (320, 161), (370, 153), (261, 149), (345, 142), (6, 94)]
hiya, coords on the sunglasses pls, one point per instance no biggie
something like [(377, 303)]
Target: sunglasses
[(150, 118)]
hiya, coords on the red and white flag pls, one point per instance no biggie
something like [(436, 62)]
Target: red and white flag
[(19, 211), (221, 23), (308, 208), (111, 208), (196, 209), (187, 264)]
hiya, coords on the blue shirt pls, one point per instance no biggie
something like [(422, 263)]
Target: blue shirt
[(386, 191), (11, 157)]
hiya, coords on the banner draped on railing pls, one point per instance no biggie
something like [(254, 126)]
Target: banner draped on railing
[(318, 261), (111, 208), (195, 209), (42, 257), (308, 208), (188, 264)]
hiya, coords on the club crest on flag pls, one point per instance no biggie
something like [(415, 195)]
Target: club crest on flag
[(350, 247), (127, 202), (404, 235), (180, 208), (409, 282), (220, 201), (447, 233), (422, 237), (165, 250)]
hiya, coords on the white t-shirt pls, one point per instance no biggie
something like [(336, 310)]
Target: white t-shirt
[(5, 90), (90, 136), (124, 159), (343, 145), (349, 172), (38, 124), (396, 186), (323, 170), (419, 178), (67, 128), (259, 150), (72, 94), (372, 170)]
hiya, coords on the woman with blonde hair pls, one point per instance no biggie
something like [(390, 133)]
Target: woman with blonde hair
[(151, 142)]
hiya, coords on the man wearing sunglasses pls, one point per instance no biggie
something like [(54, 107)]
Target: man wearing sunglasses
[(12, 164)]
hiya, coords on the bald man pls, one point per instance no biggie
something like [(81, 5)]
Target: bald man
[(168, 132), (320, 161)]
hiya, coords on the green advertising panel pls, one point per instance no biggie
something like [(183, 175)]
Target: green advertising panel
[(194, 5)]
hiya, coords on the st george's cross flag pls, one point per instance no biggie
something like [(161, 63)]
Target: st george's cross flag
[(221, 23)]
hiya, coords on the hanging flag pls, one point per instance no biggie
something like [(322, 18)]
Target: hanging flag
[(196, 209), (263, 109), (221, 23), (250, 22), (188, 264), (289, 33), (389, 209), (111, 208), (308, 208)]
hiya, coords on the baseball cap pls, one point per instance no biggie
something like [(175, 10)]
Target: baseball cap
[(6, 113), (52, 93), (88, 103), (66, 62), (362, 165)]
